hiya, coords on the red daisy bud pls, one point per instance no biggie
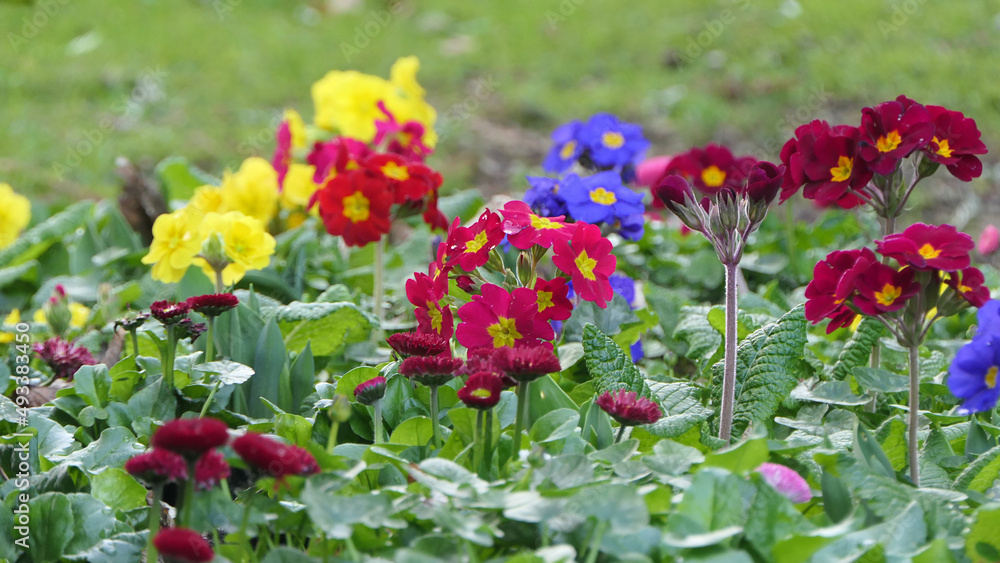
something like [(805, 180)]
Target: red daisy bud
[(169, 313), (408, 344), (132, 322), (527, 363), (989, 240), (430, 370), (273, 457), (157, 466), (210, 470), (182, 545), (63, 357), (929, 247), (191, 437), (628, 408), (482, 390), (370, 391), (189, 329), (883, 289), (969, 284), (213, 304)]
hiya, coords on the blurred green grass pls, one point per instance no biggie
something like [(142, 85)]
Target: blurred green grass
[(208, 79)]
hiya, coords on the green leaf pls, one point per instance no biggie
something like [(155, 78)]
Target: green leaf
[(982, 542), (836, 498), (765, 370), (228, 371), (741, 459), (112, 449), (36, 240), (681, 406), (858, 349), (16, 273), (610, 367), (269, 368), (981, 474), (180, 178), (554, 425), (328, 326), (697, 331), (93, 383), (117, 489), (93, 521), (286, 555), (745, 324), (546, 396), (717, 501), (336, 515), (880, 380), (774, 518), (671, 458), (609, 320), (52, 525), (416, 431), (892, 437), (302, 378), (831, 393), (868, 450)]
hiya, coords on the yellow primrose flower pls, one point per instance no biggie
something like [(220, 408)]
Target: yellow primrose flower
[(176, 242), (10, 320), (15, 214), (207, 199), (252, 190), (79, 313), (297, 128), (299, 186), (408, 103), (347, 102), (245, 242)]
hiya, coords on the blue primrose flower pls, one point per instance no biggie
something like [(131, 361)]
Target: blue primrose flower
[(988, 318), (624, 286), (542, 197), (973, 374), (611, 142), (632, 227), (566, 148), (600, 198)]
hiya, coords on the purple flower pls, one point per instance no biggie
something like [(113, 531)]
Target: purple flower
[(624, 286), (612, 143), (543, 197), (566, 148), (972, 375), (600, 198), (632, 227), (786, 481)]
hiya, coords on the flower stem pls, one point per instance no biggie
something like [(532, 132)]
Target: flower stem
[(378, 421), (188, 494), (488, 441), (436, 436), (135, 342), (479, 445), (244, 524), (521, 418), (595, 541), (876, 358), (621, 432), (914, 414), (154, 522), (168, 363), (219, 286), (331, 442), (208, 401), (379, 289), (729, 375), (210, 340)]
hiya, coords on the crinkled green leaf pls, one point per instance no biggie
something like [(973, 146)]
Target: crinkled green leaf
[(859, 348), (681, 406), (329, 327), (52, 526), (880, 380), (983, 542), (982, 473), (765, 370), (892, 437), (697, 331), (610, 367)]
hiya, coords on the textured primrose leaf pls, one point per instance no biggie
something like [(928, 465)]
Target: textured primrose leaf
[(859, 348), (32, 243), (610, 367), (682, 408), (982, 473), (982, 542), (328, 326), (892, 437), (697, 331), (765, 370)]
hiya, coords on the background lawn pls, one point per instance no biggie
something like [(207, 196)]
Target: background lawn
[(83, 82)]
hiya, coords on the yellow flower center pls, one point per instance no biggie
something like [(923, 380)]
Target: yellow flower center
[(929, 252), (395, 171), (842, 171), (964, 289), (568, 149), (477, 243), (504, 332), (543, 223), (481, 393), (889, 294), (544, 300), (888, 142), (991, 377), (942, 147), (586, 265), (356, 207), (613, 139), (437, 319), (713, 176), (603, 196)]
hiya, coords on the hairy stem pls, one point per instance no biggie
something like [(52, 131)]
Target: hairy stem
[(379, 289), (521, 417), (729, 375), (378, 421), (621, 432), (914, 414), (436, 436), (479, 445)]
